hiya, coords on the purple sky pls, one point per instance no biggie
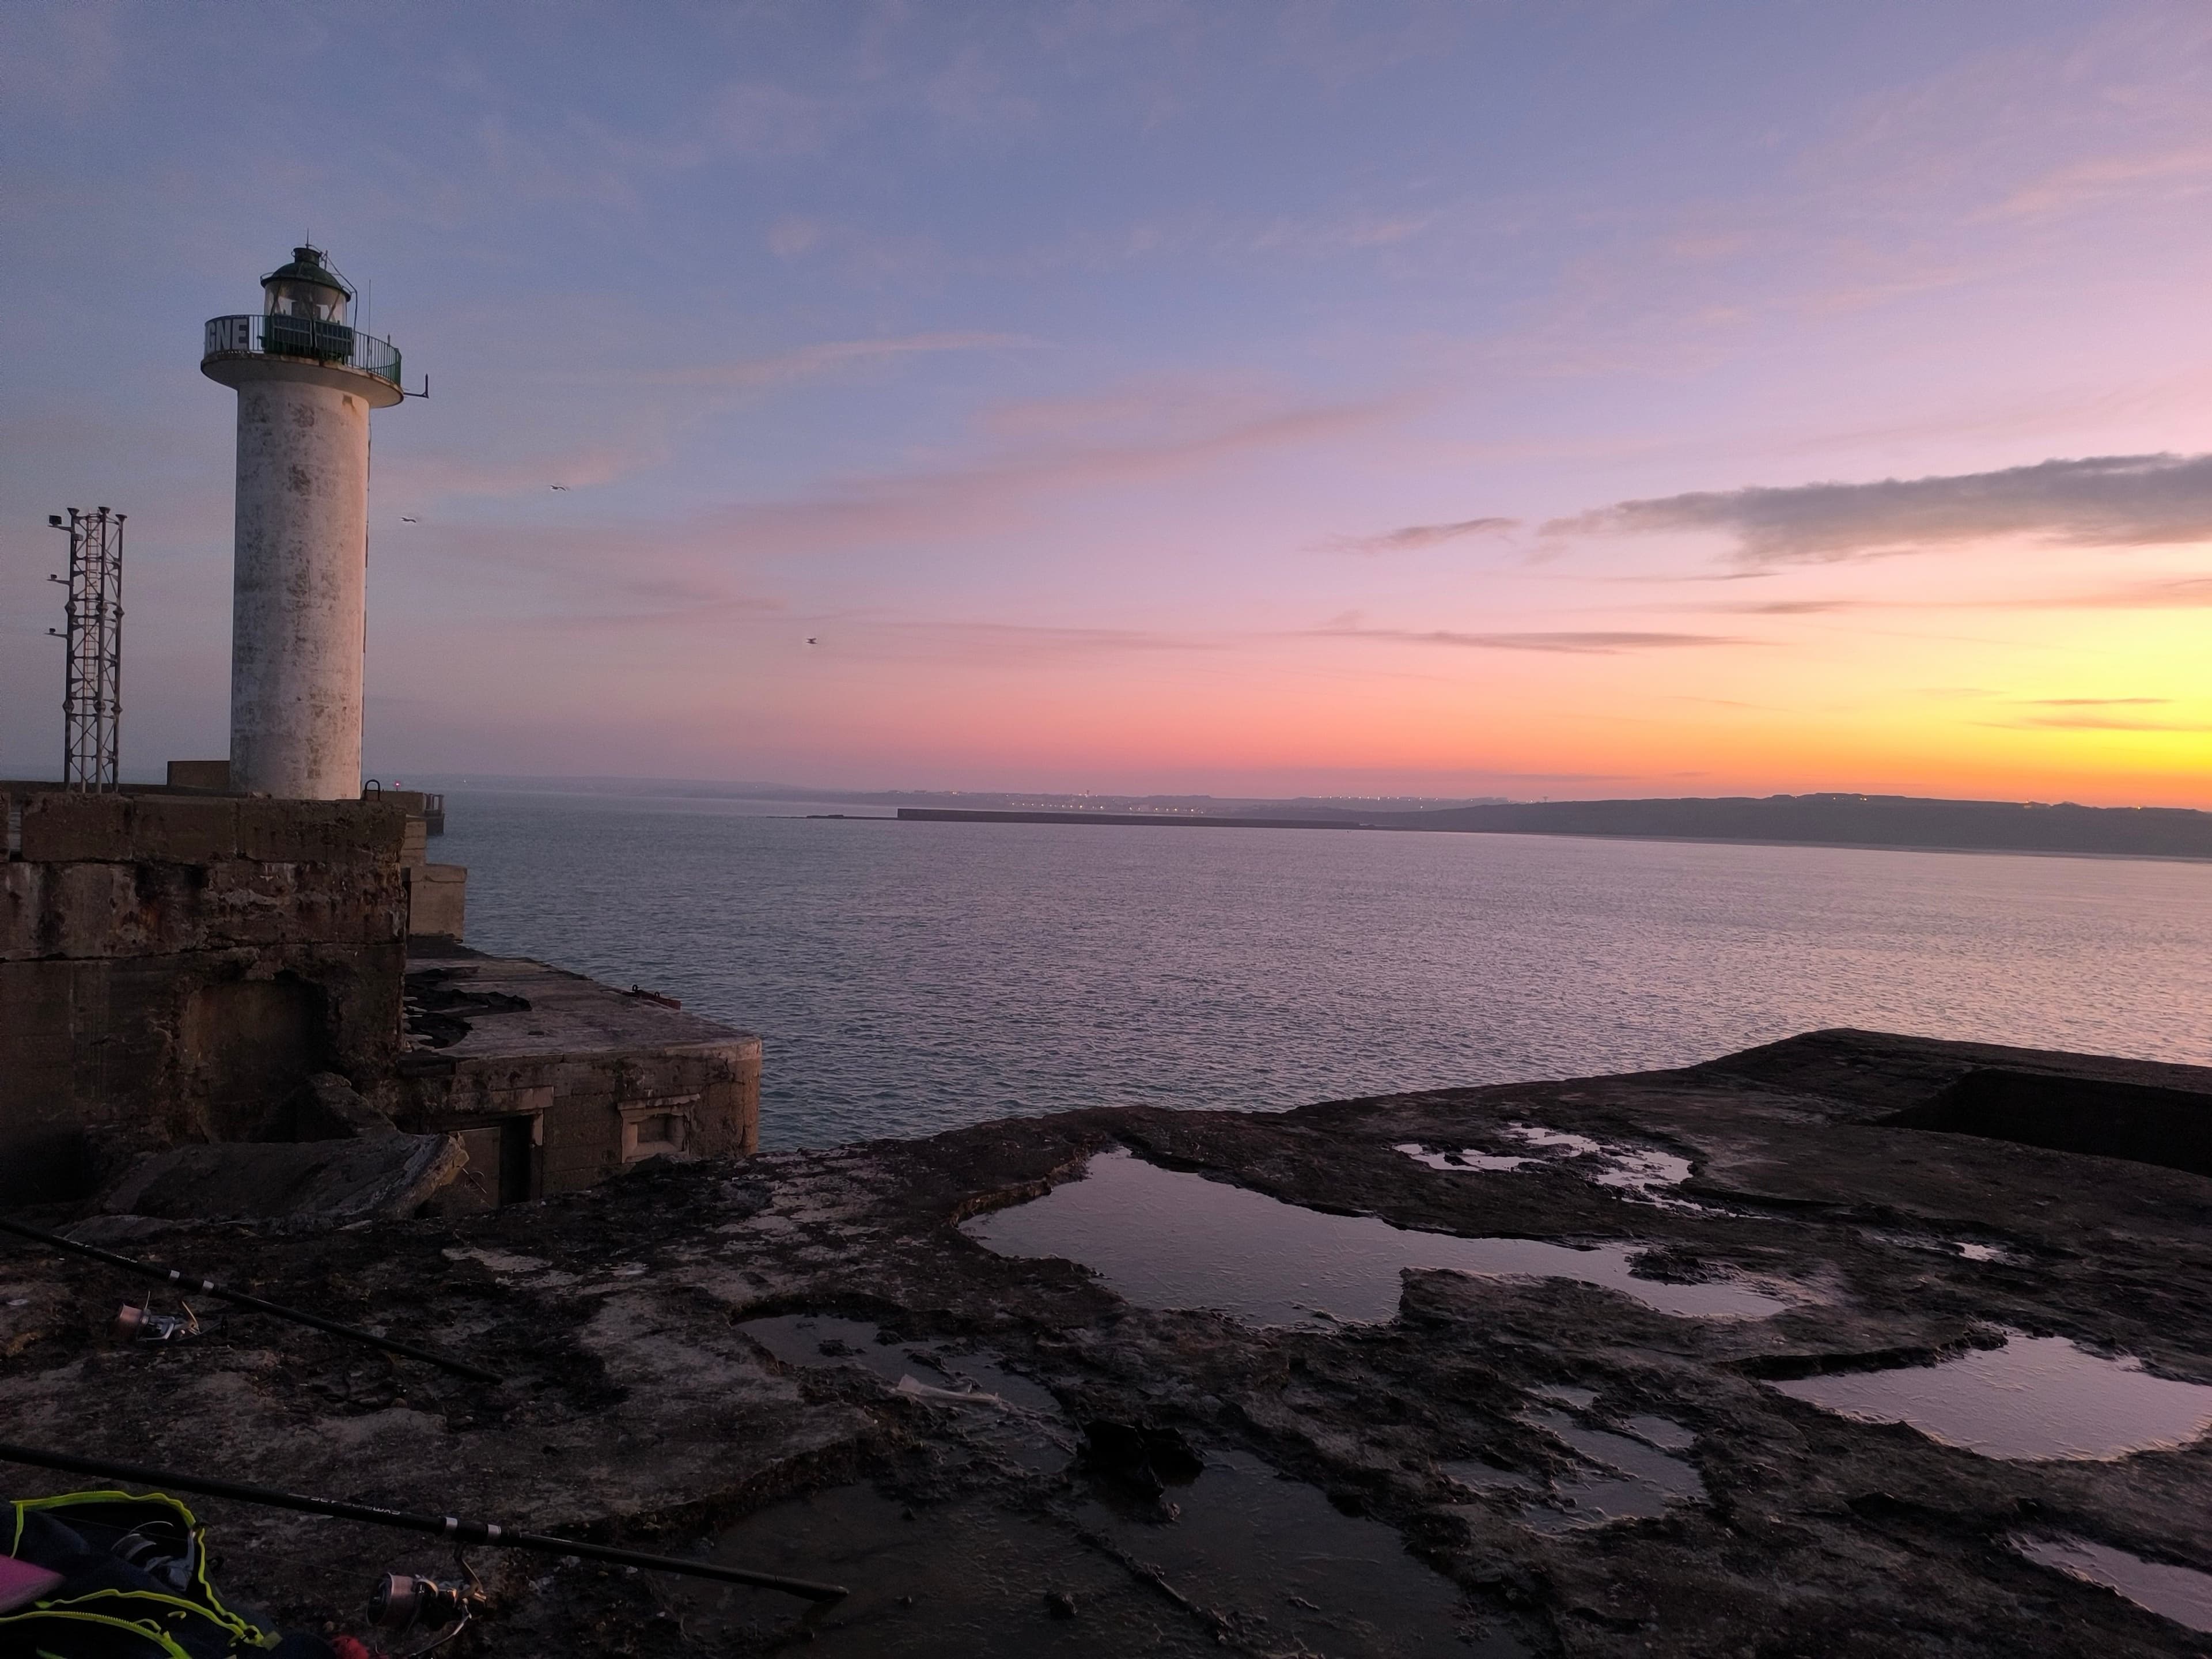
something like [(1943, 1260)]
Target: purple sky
[(1370, 397)]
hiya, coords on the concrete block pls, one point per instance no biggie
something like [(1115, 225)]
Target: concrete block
[(199, 774), (336, 1181), (183, 828), (437, 898), (321, 831), (91, 909), (59, 825), (414, 842), (22, 890)]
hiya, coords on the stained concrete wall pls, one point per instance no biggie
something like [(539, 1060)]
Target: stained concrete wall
[(299, 602), (585, 1116), (171, 967), (437, 900), (557, 1081)]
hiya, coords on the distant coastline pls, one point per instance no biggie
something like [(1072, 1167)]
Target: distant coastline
[(1899, 821)]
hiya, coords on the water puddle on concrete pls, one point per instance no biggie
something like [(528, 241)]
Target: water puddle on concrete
[(1625, 1477), (2036, 1399), (1251, 1560), (2181, 1594), (1017, 1413), (827, 1340), (1633, 1480), (1641, 1173), (1164, 1239)]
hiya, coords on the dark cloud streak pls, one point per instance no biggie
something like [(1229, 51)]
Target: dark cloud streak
[(1584, 643), (2112, 501), (1413, 537)]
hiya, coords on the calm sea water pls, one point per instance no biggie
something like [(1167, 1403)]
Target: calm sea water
[(911, 977)]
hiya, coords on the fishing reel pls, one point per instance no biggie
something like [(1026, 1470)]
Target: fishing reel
[(404, 1602), (144, 1325)]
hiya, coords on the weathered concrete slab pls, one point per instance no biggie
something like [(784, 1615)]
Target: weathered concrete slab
[(377, 1177), (646, 1400)]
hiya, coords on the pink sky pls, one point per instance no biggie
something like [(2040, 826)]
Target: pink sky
[(1404, 397)]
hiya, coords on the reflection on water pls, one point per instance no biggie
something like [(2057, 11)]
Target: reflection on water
[(1164, 1239), (1249, 1554), (2176, 1593), (1621, 1476), (1633, 1480), (913, 977), (2034, 1399)]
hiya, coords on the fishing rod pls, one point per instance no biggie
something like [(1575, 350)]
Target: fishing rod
[(463, 1534), (240, 1298)]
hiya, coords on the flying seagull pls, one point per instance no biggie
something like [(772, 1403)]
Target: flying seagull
[(404, 519), (557, 486), (810, 640)]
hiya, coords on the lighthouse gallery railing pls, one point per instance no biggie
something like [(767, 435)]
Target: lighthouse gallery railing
[(260, 333)]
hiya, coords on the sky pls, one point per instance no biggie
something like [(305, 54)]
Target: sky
[(1558, 399)]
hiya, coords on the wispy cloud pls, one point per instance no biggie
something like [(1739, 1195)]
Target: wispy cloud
[(1413, 537), (2167, 174), (2173, 593), (1573, 642), (996, 639), (2098, 723), (2092, 702), (2114, 500)]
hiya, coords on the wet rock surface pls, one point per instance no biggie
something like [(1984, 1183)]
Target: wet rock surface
[(803, 1362)]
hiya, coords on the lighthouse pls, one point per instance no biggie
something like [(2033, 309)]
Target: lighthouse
[(306, 380)]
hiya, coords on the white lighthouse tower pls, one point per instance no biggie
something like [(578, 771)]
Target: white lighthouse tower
[(305, 382)]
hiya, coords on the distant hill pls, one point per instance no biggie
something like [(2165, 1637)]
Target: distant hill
[(1846, 820)]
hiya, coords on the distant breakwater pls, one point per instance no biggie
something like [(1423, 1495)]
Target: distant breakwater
[(951, 815), (1875, 821)]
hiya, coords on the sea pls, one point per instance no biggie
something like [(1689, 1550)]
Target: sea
[(912, 977)]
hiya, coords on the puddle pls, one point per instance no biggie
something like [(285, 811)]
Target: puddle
[(1964, 1248), (1628, 1476), (1290, 1572), (1020, 1415), (1638, 1172), (1567, 1393), (1478, 1476), (1265, 1559), (1164, 1239), (963, 1579), (1634, 1481), (1662, 1433), (1467, 1159), (2036, 1399), (2181, 1594)]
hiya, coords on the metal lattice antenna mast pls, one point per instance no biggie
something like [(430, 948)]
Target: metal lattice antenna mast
[(92, 691)]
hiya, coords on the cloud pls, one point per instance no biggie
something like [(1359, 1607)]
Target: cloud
[(2173, 593), (2092, 702), (1030, 639), (2169, 174), (2099, 723), (1586, 642), (1415, 535), (2113, 501)]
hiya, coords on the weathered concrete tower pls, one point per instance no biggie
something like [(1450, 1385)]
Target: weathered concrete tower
[(305, 382)]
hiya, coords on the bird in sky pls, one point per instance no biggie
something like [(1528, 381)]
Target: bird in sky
[(813, 642), (557, 486), (404, 519)]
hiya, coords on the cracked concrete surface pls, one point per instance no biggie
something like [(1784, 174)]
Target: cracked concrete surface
[(1341, 1499)]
